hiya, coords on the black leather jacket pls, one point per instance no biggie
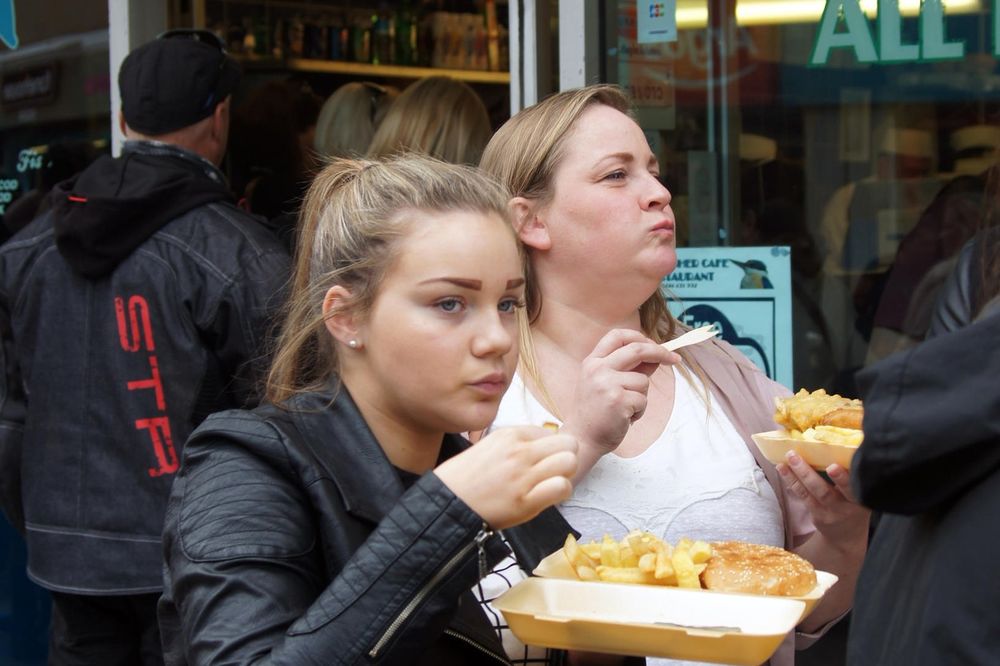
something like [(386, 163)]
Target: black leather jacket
[(128, 313), (290, 539), (963, 292)]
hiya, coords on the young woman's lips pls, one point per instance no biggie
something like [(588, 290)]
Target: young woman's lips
[(492, 385)]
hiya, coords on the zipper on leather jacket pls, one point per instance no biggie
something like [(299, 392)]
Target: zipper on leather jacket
[(479, 646), (408, 610)]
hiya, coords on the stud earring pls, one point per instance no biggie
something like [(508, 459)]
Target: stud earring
[(353, 344)]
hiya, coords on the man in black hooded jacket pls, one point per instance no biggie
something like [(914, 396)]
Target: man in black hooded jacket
[(131, 310), (928, 594)]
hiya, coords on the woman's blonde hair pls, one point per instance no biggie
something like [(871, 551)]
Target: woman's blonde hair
[(349, 118), (352, 219), (438, 116), (524, 155)]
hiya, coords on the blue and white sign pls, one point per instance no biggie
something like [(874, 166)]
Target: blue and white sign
[(8, 24), (656, 22), (746, 292)]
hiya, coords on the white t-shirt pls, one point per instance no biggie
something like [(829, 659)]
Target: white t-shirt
[(696, 480)]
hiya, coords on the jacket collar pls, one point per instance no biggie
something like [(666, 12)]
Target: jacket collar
[(160, 149), (338, 436)]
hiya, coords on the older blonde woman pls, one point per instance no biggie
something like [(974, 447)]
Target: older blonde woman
[(664, 439)]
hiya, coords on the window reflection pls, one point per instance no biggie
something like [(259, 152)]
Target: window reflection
[(869, 164)]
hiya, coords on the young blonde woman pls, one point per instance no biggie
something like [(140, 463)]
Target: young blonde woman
[(664, 439), (340, 523), (437, 116)]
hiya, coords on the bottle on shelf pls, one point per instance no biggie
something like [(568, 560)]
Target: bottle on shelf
[(278, 43), (383, 37), (440, 44), (361, 37), (492, 37), (339, 37), (249, 38), (425, 34), (296, 37), (315, 42), (405, 29)]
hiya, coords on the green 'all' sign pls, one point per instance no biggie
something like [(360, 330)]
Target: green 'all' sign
[(856, 34)]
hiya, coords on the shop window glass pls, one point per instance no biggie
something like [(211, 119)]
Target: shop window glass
[(858, 139)]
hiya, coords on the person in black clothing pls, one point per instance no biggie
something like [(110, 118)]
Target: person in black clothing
[(271, 157), (928, 593), (129, 311), (340, 523), (926, 256)]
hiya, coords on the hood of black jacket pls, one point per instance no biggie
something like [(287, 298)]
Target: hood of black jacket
[(102, 215)]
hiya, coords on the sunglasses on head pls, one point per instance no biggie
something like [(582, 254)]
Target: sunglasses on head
[(205, 37), (198, 35), (376, 93)]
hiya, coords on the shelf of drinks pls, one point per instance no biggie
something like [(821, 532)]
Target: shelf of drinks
[(376, 71)]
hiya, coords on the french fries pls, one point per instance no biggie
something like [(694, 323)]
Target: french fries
[(835, 435), (583, 564), (819, 417), (639, 558), (830, 435), (807, 409)]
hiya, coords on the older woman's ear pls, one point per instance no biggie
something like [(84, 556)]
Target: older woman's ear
[(529, 223)]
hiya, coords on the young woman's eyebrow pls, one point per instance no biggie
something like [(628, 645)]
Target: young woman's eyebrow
[(475, 285)]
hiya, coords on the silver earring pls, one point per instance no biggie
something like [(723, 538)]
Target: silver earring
[(353, 344)]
